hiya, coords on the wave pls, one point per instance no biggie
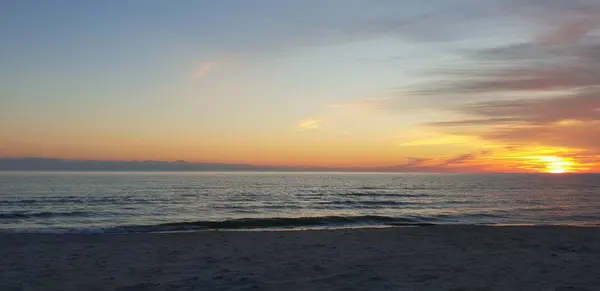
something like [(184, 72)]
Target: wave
[(63, 200), (373, 188), (276, 223), (297, 222), (465, 216), (357, 203), (23, 201), (273, 223), (292, 223), (45, 214), (374, 194), (76, 200)]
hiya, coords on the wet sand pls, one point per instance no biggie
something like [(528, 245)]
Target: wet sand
[(455, 258)]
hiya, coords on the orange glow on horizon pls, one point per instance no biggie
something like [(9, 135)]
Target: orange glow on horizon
[(557, 165), (347, 154)]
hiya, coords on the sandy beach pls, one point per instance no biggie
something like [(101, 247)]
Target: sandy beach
[(420, 258)]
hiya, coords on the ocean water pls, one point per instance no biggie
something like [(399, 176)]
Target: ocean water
[(174, 201)]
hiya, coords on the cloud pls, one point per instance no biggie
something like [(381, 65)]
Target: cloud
[(309, 124), (522, 68), (578, 108), (583, 136), (571, 31), (470, 162), (411, 162), (570, 122), (201, 71), (432, 138), (566, 21), (465, 158), (474, 122), (568, 113), (561, 54), (544, 92), (459, 159)]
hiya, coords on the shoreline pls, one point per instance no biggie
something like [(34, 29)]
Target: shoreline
[(147, 229), (437, 257)]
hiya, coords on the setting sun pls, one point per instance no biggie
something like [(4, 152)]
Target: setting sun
[(556, 165)]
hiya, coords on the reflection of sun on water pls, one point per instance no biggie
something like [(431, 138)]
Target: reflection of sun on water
[(556, 165)]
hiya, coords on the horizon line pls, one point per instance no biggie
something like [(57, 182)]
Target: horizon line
[(44, 164)]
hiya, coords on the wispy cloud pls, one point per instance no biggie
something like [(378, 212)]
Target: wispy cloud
[(309, 124), (566, 21), (462, 159), (433, 138), (571, 31), (568, 118), (554, 79), (201, 71), (469, 162), (578, 108)]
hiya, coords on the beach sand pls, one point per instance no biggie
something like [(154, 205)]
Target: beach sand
[(419, 258)]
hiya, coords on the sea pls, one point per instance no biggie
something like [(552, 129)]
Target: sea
[(129, 202)]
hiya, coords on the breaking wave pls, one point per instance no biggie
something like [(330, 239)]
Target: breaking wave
[(45, 214)]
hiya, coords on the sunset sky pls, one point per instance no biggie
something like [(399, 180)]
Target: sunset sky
[(446, 85)]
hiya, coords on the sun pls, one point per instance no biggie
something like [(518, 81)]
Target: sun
[(556, 165)]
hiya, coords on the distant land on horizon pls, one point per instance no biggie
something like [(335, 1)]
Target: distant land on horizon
[(54, 164)]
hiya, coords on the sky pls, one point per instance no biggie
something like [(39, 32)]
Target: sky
[(439, 86)]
